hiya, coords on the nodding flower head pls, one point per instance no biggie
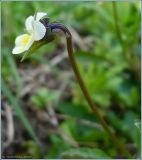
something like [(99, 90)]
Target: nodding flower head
[(39, 32), (35, 32)]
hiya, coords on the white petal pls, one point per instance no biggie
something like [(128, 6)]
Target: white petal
[(39, 15), (39, 30), (29, 24), (30, 42), (18, 50)]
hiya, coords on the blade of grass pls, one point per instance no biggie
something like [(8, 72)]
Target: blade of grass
[(13, 68), (18, 110)]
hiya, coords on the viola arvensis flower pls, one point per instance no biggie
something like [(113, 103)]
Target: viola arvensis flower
[(36, 31), (41, 32)]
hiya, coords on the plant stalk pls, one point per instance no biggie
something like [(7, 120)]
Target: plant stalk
[(114, 139), (118, 32)]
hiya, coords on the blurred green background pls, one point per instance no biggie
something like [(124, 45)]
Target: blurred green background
[(44, 114)]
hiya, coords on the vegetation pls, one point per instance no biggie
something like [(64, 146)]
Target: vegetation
[(44, 113)]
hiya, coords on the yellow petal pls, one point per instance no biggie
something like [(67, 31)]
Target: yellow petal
[(22, 40), (30, 42)]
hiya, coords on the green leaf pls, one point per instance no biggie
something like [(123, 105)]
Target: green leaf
[(43, 96), (138, 124), (18, 110), (84, 152), (36, 102), (55, 150), (77, 111), (85, 55), (68, 127)]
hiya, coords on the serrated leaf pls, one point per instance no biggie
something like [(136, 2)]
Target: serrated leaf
[(77, 111), (43, 96)]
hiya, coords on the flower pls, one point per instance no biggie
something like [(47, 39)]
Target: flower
[(36, 31)]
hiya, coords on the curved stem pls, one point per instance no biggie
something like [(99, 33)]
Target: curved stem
[(114, 139)]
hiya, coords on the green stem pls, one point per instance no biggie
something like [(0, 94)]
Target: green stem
[(114, 139), (133, 61), (118, 32)]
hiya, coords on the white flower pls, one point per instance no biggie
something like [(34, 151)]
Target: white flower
[(36, 31)]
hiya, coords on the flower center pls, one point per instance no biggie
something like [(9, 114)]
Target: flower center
[(25, 39)]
